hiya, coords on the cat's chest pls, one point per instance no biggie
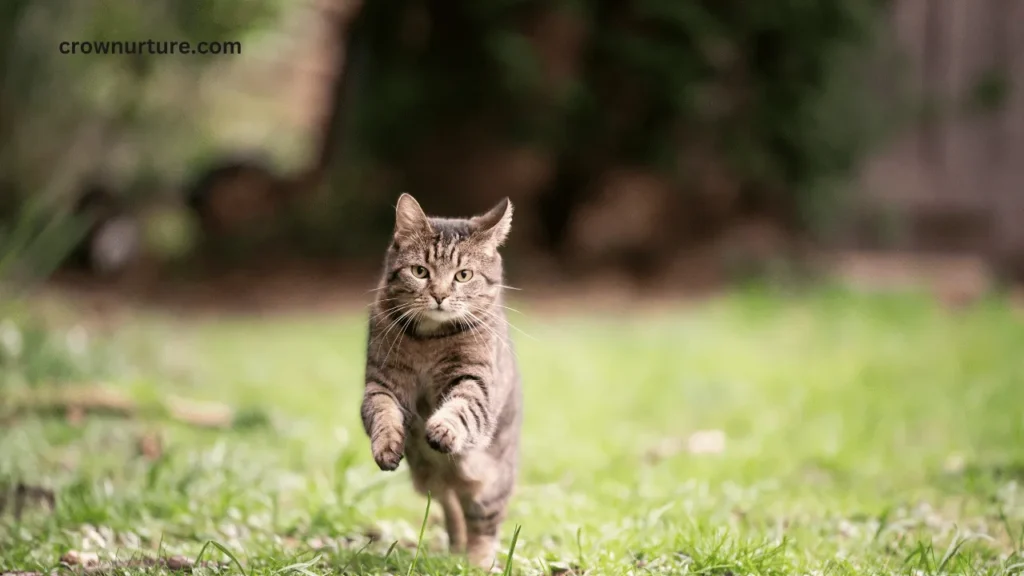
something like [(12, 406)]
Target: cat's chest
[(427, 382), (419, 364), (429, 366)]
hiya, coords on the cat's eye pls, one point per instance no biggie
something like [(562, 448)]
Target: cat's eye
[(420, 272), (463, 275)]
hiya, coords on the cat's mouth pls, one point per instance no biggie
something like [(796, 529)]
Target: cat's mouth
[(438, 315)]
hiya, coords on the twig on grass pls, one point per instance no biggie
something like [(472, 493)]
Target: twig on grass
[(73, 402)]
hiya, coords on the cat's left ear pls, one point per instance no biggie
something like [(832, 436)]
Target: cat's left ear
[(493, 227), (410, 219)]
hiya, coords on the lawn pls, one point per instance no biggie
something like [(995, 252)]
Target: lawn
[(862, 435)]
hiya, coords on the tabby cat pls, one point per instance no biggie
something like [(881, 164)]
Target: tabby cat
[(442, 385)]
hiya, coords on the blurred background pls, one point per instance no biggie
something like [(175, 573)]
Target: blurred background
[(767, 153), (651, 145)]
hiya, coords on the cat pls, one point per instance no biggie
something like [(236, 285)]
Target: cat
[(442, 382)]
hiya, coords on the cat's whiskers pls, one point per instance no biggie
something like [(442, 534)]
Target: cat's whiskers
[(376, 301), (507, 308), (508, 322), (400, 338), (392, 299), (493, 332), (465, 325), (382, 339), (405, 309), (380, 302), (383, 335), (392, 310), (488, 315), (400, 335)]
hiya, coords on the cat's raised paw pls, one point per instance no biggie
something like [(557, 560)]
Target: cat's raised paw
[(387, 450), (445, 435)]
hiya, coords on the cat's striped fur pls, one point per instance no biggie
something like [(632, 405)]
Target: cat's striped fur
[(442, 386)]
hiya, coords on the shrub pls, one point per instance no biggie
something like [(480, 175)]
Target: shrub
[(773, 89)]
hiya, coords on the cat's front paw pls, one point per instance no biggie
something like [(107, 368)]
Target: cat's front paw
[(445, 433), (387, 448)]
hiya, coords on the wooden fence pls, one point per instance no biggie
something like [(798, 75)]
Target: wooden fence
[(960, 162)]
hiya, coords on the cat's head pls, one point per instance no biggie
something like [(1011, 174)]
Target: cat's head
[(441, 270)]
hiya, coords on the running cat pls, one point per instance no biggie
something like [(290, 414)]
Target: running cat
[(442, 385)]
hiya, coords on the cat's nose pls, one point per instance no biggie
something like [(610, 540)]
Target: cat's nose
[(438, 299)]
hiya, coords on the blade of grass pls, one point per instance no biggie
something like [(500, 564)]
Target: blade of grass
[(579, 547), (223, 550), (922, 554), (511, 551), (360, 551), (300, 567), (955, 546), (419, 543), (1016, 539), (883, 523), (1014, 568)]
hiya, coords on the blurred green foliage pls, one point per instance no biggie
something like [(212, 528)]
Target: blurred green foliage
[(120, 118), (776, 89), (63, 115), (34, 240), (33, 353)]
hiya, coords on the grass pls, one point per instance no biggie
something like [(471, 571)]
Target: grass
[(865, 435)]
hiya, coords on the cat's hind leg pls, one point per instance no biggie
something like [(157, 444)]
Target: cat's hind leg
[(454, 521), (427, 479), (484, 511)]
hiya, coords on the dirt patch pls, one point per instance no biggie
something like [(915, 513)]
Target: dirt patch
[(90, 563), (312, 289), (298, 288)]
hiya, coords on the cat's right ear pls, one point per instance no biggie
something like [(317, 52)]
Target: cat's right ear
[(410, 220), (493, 227)]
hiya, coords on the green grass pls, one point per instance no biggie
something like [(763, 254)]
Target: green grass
[(865, 435)]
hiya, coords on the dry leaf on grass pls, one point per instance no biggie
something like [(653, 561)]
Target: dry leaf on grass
[(706, 442), (700, 442), (76, 558), (150, 446), (202, 414), (75, 415), (954, 464)]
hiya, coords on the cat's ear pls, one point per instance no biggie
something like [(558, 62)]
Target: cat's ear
[(410, 219), (493, 227)]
